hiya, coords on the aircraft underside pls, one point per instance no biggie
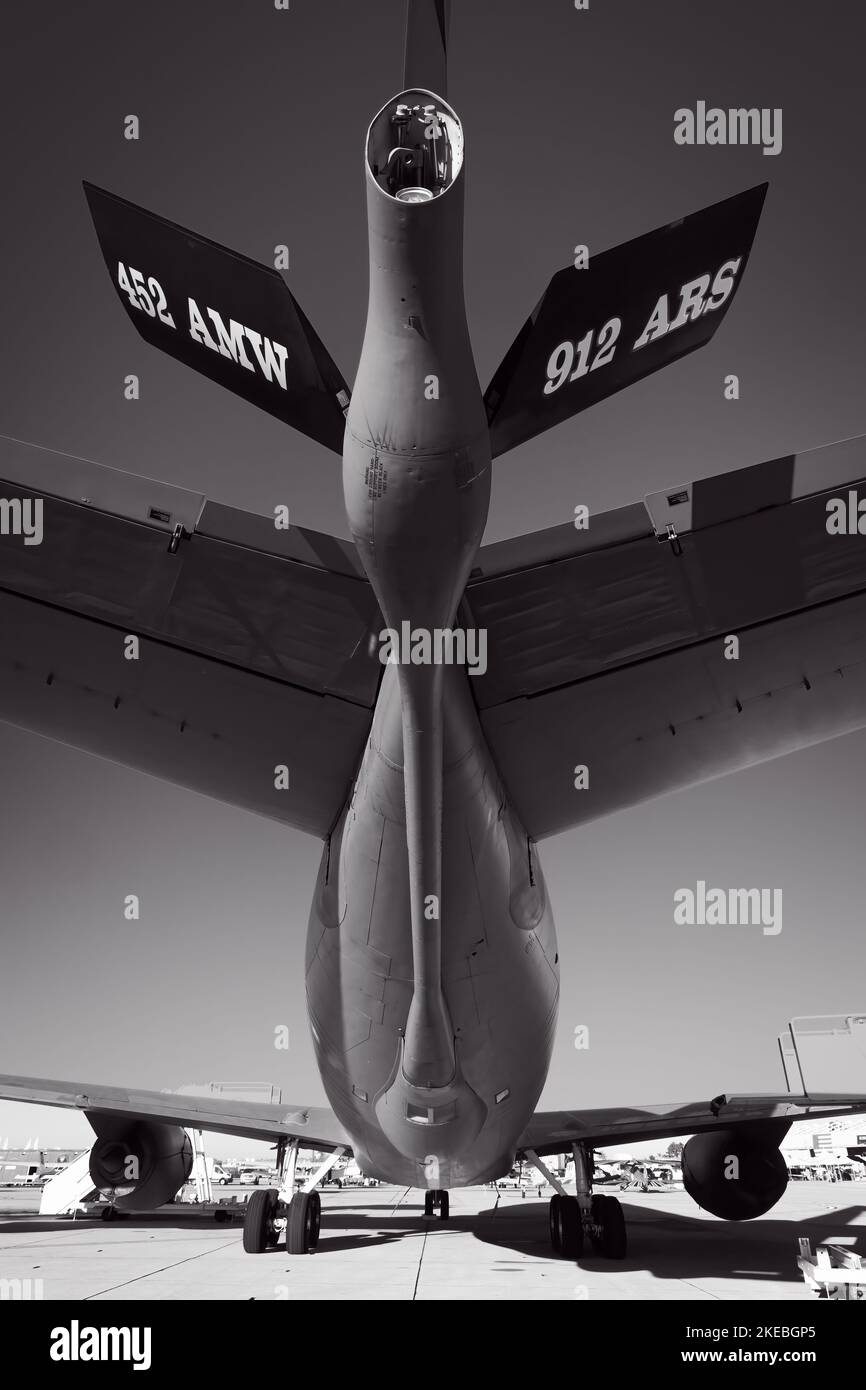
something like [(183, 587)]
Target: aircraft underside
[(500, 963)]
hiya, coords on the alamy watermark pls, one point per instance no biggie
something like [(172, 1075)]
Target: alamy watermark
[(21, 1290), (846, 516), (712, 125), (439, 646), (732, 907), (77, 1343), (22, 516)]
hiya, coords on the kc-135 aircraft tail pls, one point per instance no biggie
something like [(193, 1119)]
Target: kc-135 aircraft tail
[(262, 651), (600, 325)]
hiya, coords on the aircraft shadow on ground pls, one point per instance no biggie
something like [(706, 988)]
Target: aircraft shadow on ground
[(38, 1225), (662, 1243), (681, 1247), (667, 1245)]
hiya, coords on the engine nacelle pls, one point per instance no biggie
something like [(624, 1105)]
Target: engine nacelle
[(738, 1173), (147, 1161)]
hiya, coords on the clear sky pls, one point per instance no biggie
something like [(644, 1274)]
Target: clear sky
[(252, 132)]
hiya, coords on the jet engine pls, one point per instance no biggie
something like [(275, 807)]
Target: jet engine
[(738, 1173), (146, 1161)]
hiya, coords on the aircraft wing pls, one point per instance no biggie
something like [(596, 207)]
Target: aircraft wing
[(255, 646), (824, 1055), (609, 648), (315, 1126), (554, 1131)]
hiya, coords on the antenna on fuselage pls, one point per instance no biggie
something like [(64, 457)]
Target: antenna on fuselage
[(425, 56)]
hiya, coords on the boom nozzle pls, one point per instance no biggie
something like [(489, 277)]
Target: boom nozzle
[(415, 147)]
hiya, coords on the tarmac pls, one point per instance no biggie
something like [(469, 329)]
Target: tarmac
[(376, 1244)]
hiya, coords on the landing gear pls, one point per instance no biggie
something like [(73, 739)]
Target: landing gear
[(303, 1223), (584, 1217), (270, 1210), (259, 1218), (436, 1197)]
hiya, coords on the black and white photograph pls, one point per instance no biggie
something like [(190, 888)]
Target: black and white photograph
[(433, 666)]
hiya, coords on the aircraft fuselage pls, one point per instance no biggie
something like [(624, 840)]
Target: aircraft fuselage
[(500, 973), (432, 969)]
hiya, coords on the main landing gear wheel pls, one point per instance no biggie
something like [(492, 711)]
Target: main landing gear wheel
[(304, 1220), (571, 1229), (610, 1239), (429, 1203), (444, 1208), (555, 1218), (259, 1221), (566, 1227)]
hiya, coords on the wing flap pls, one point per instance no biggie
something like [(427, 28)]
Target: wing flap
[(253, 645), (680, 719), (203, 725), (608, 650)]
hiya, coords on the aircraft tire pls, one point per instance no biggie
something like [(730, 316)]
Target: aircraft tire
[(444, 1206), (258, 1220), (429, 1203), (612, 1242), (304, 1221), (571, 1229), (554, 1222)]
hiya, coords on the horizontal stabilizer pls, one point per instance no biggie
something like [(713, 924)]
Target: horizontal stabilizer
[(258, 645), (627, 313), (230, 318), (608, 642)]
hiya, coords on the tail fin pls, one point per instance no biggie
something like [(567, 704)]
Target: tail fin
[(230, 318), (631, 311), (425, 59)]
